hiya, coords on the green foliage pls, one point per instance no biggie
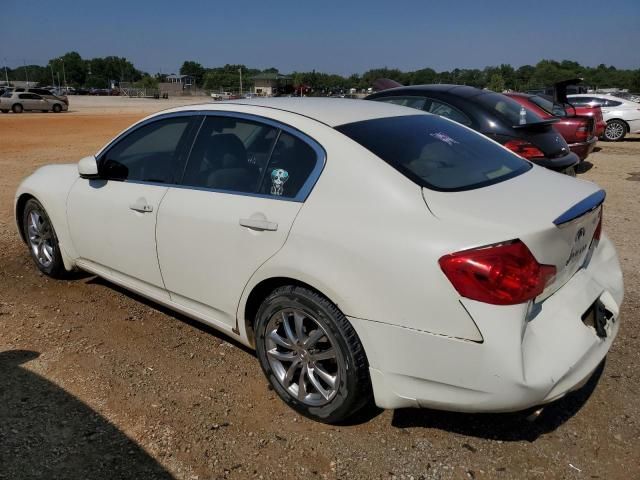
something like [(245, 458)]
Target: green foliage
[(496, 83), (147, 81), (194, 69), (227, 78)]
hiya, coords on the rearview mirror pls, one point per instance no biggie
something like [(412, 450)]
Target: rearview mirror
[(88, 167)]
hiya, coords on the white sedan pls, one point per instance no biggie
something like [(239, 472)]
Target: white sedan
[(369, 252), (622, 116)]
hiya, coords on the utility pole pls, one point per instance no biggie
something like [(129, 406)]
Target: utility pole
[(6, 75), (26, 72), (53, 80), (240, 71), (64, 75)]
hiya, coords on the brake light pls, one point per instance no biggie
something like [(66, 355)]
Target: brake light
[(500, 274), (524, 149), (582, 133), (598, 231)]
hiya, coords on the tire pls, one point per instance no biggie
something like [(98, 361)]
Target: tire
[(571, 171), (615, 130), (4, 111), (17, 108), (321, 348), (56, 108), (42, 240)]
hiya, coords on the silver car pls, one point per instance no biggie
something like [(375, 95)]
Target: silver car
[(18, 102)]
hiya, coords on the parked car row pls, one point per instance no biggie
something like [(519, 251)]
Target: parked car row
[(621, 116), (369, 252)]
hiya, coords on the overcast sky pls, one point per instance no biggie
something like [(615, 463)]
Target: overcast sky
[(338, 37)]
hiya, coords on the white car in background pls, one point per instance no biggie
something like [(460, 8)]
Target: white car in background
[(368, 251), (622, 116)]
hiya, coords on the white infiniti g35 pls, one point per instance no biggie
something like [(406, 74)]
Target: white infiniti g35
[(366, 250)]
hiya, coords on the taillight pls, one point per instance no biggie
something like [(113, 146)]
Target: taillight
[(500, 274), (598, 231), (524, 149), (582, 133)]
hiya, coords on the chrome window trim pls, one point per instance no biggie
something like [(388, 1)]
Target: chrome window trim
[(303, 193)]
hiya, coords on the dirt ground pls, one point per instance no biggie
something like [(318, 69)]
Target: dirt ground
[(97, 383)]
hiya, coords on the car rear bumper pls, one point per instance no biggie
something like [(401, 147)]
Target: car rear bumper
[(530, 355), (560, 164), (583, 149), (634, 126)]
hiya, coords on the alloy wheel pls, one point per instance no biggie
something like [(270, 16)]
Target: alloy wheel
[(614, 131), (303, 356), (41, 238)]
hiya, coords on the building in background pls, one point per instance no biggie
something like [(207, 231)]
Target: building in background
[(268, 84)]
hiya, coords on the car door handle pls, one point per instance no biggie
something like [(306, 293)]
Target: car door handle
[(259, 224), (141, 207)]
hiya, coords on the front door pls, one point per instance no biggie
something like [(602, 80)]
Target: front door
[(112, 220), (243, 187)]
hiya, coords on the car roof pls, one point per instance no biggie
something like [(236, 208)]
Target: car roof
[(330, 111), (459, 90)]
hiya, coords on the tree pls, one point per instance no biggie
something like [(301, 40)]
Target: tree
[(193, 69), (496, 83)]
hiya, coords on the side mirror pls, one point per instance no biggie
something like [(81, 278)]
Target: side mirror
[(88, 167)]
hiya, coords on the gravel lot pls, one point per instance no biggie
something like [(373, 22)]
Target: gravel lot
[(96, 382)]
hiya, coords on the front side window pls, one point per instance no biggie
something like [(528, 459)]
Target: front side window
[(436, 153), (246, 156), (149, 153)]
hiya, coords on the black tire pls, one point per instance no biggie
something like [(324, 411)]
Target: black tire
[(353, 390), (56, 108), (615, 130), (17, 108), (4, 111), (56, 268)]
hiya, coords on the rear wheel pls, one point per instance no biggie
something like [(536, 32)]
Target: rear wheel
[(57, 108), (42, 239), (615, 130), (17, 108), (311, 355), (4, 111)]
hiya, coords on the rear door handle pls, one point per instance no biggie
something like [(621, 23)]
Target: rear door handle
[(259, 224), (141, 207)]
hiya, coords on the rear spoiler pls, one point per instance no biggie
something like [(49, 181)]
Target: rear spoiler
[(590, 203), (534, 125), (385, 84)]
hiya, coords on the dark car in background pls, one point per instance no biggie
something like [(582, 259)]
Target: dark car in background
[(578, 131), (494, 115)]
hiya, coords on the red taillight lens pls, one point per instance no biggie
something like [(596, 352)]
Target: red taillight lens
[(582, 133), (598, 231), (524, 149), (502, 274)]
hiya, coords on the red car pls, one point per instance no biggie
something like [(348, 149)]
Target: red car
[(596, 113), (578, 131)]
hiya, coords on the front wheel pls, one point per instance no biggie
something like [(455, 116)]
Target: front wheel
[(17, 108), (311, 355), (57, 108), (615, 130), (42, 240)]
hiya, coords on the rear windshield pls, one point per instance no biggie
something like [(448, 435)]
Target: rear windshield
[(435, 152), (548, 106), (507, 108)]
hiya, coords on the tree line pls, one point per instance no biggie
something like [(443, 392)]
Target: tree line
[(99, 72)]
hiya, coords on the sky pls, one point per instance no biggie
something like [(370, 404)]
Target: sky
[(328, 36)]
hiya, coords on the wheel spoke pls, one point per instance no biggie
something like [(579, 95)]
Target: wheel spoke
[(298, 319), (316, 383), (47, 252), (326, 376), (287, 329), (313, 338), (282, 356), (328, 354), (277, 339), (288, 378), (34, 222), (302, 387)]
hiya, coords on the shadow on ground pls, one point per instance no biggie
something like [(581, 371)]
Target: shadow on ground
[(47, 433), (508, 427), (584, 166)]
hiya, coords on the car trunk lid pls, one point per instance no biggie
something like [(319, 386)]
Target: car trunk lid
[(554, 215)]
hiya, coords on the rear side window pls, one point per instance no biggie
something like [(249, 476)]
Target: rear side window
[(506, 107), (412, 102), (436, 153), (445, 110)]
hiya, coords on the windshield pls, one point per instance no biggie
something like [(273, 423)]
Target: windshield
[(548, 106), (507, 108), (435, 152)]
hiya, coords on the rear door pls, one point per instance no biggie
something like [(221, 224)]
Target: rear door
[(242, 188)]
